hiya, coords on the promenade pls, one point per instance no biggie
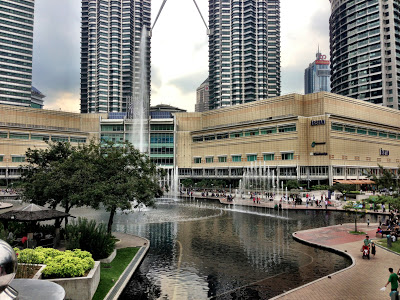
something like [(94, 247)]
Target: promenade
[(362, 280)]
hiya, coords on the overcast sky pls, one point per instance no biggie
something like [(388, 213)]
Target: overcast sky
[(179, 49)]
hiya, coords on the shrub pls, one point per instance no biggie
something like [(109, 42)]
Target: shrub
[(89, 236), (59, 264), (320, 187)]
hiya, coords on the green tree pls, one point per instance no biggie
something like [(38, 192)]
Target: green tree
[(344, 188), (292, 184), (57, 175), (122, 174), (356, 209), (386, 179)]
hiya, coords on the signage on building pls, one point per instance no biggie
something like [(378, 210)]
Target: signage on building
[(313, 144), (319, 153), (383, 152), (321, 60), (317, 122)]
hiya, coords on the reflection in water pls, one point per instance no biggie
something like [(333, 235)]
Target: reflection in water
[(204, 250)]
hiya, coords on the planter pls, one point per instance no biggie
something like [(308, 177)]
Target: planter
[(80, 288), (110, 258)]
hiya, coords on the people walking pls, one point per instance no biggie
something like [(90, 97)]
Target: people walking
[(393, 280)]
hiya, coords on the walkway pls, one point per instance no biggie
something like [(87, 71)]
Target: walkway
[(362, 280)]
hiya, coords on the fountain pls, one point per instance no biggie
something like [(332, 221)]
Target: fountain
[(138, 103)]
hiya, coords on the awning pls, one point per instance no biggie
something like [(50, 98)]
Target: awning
[(354, 181)]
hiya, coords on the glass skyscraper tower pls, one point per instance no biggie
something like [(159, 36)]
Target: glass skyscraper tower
[(317, 75), (16, 40), (365, 47), (244, 51), (110, 44)]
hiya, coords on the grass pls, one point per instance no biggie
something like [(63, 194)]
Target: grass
[(109, 273), (395, 245), (357, 232)]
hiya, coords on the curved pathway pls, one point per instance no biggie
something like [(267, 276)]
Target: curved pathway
[(362, 280)]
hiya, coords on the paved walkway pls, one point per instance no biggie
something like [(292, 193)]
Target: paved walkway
[(362, 280)]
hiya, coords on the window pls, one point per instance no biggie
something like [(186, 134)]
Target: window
[(20, 136), (236, 158), (251, 157), (222, 159), (197, 160), (382, 134), (270, 156), (287, 156), (209, 160), (236, 134), (372, 132), (251, 132), (392, 136), (222, 136), (77, 140), (112, 127), (337, 127), (154, 127), (361, 131), (18, 159), (1, 158), (197, 139), (350, 129), (59, 139), (3, 135), (268, 130), (209, 138), (288, 128)]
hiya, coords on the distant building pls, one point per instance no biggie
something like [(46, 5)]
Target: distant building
[(317, 77), (110, 56), (16, 30), (364, 44), (244, 51), (202, 97), (37, 98)]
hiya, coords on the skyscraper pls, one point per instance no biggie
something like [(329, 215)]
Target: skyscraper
[(110, 52), (16, 39), (364, 50), (202, 97), (244, 51), (317, 75)]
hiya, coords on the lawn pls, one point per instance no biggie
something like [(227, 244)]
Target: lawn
[(109, 273), (395, 245)]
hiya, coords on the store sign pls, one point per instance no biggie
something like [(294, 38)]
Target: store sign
[(319, 153), (383, 152), (313, 144), (317, 122)]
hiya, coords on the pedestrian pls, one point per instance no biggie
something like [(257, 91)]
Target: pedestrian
[(368, 222), (373, 249), (393, 280), (383, 208), (380, 222)]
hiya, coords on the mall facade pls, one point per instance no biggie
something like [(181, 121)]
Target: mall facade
[(316, 138)]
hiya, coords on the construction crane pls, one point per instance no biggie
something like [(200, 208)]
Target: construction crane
[(161, 8)]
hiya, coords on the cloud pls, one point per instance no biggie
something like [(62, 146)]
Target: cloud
[(319, 22), (65, 101), (188, 83), (293, 79)]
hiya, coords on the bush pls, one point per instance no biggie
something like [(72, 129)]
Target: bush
[(89, 236), (59, 264), (320, 187)]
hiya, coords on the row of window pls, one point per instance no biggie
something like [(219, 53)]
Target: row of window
[(249, 132), (364, 131), (41, 137), (14, 158), (248, 157)]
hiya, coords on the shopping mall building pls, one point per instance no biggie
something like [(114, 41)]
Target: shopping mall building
[(317, 138)]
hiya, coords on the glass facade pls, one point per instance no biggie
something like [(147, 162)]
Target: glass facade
[(364, 42), (317, 77), (110, 43), (16, 39), (244, 51)]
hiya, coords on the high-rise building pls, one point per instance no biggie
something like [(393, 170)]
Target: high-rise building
[(317, 75), (202, 97), (16, 40), (37, 98), (364, 50), (110, 53), (244, 51)]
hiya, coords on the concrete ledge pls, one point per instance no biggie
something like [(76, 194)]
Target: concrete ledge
[(339, 252), (80, 288), (110, 258), (123, 280)]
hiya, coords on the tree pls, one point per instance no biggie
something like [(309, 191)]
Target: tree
[(344, 188), (386, 179), (122, 174), (292, 185), (57, 175), (355, 207)]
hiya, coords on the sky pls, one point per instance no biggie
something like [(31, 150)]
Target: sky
[(179, 49)]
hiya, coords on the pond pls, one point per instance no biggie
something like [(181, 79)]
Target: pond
[(204, 250)]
